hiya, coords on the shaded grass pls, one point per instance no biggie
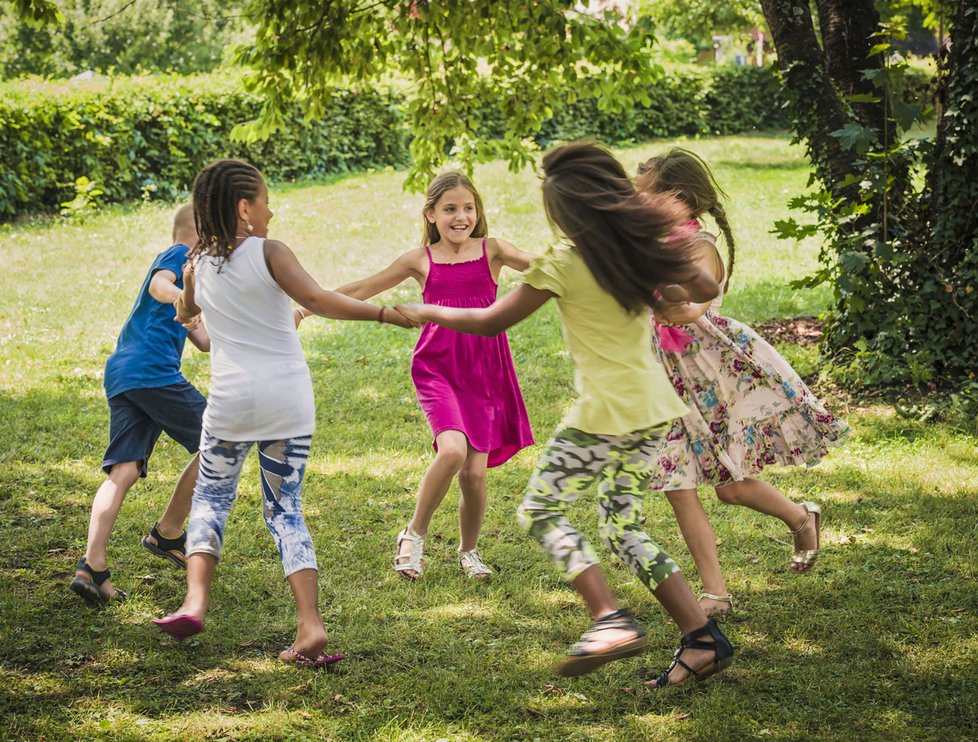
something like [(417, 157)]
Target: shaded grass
[(879, 642)]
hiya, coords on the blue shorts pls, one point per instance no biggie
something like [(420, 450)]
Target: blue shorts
[(138, 416)]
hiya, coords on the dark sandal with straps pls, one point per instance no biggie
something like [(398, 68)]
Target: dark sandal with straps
[(722, 655), (90, 589), (165, 547), (580, 662)]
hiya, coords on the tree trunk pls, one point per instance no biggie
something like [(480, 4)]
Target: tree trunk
[(818, 110), (847, 27), (953, 176)]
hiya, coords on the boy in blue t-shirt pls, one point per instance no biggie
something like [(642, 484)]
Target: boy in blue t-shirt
[(147, 394)]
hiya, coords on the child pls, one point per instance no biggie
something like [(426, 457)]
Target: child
[(466, 385), (748, 408), (614, 432), (261, 391), (147, 394)]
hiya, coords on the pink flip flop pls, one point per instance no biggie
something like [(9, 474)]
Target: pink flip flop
[(179, 626), (323, 660)]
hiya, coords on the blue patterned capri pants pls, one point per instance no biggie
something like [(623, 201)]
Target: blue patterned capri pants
[(622, 466), (283, 465)]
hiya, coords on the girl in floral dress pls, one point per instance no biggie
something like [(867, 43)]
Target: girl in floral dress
[(748, 407)]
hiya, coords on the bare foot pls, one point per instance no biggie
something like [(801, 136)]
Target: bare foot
[(308, 645)]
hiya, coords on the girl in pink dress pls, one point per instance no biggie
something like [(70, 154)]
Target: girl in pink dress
[(465, 384)]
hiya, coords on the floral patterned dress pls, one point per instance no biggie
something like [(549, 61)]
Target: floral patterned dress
[(748, 407)]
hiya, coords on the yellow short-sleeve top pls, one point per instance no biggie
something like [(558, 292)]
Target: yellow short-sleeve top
[(621, 386)]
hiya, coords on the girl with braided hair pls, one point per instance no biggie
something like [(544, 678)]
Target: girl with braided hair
[(260, 391), (748, 407)]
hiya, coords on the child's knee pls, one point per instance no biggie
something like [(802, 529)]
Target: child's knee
[(471, 479), (126, 473), (451, 454)]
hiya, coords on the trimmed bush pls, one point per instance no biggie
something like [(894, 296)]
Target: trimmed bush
[(139, 137), (148, 137)]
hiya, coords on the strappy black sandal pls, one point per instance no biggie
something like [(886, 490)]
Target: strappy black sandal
[(580, 662), (722, 654), (90, 589), (165, 547)]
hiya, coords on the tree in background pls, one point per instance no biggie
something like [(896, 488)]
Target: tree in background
[(898, 214), (124, 36)]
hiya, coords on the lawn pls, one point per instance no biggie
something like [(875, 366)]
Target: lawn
[(880, 641)]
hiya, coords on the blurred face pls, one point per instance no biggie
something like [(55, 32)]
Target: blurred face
[(256, 213), (454, 215)]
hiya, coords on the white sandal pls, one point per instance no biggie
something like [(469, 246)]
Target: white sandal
[(415, 557), (473, 566)]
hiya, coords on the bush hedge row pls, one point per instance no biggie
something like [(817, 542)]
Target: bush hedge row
[(147, 137)]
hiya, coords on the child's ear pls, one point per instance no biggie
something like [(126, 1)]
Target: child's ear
[(429, 215), (243, 208)]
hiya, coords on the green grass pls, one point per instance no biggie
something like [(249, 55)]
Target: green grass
[(879, 642)]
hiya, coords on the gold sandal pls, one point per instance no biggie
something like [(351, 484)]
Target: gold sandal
[(805, 558), (718, 612)]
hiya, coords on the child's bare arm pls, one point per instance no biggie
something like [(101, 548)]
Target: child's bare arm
[(516, 306), (511, 256), (163, 286), (707, 259), (308, 294), (200, 338), (406, 266)]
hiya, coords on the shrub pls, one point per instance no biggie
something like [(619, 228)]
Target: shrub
[(147, 137)]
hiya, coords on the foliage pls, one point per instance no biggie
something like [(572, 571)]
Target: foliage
[(86, 200), (149, 137), (146, 138), (125, 36), (698, 20), (527, 58), (900, 234)]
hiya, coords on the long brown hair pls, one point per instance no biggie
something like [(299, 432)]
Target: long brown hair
[(218, 189), (685, 175), (446, 182), (627, 239)]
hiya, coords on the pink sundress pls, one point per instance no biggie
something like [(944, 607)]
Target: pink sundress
[(467, 382)]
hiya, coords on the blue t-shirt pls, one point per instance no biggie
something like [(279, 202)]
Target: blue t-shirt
[(150, 345)]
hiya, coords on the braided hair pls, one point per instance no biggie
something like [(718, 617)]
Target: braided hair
[(627, 239), (685, 176), (217, 190), (446, 182)]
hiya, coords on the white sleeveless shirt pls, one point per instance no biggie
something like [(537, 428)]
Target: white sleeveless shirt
[(260, 387)]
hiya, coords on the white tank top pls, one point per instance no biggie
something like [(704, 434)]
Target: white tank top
[(260, 387)]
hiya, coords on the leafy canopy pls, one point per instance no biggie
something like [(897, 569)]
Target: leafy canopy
[(450, 57)]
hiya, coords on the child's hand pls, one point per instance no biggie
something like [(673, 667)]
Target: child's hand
[(670, 313), (411, 312), (191, 324)]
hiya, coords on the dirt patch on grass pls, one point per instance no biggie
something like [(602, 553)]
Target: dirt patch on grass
[(803, 331)]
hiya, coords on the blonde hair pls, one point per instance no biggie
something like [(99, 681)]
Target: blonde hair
[(687, 177), (437, 188)]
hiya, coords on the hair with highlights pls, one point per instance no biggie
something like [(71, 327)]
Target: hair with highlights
[(628, 240), (684, 175)]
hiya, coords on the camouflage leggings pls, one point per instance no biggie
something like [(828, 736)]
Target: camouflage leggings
[(623, 465)]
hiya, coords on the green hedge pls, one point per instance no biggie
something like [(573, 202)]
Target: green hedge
[(147, 137), (142, 136)]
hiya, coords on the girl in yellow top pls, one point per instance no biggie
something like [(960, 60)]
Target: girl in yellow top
[(604, 284)]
